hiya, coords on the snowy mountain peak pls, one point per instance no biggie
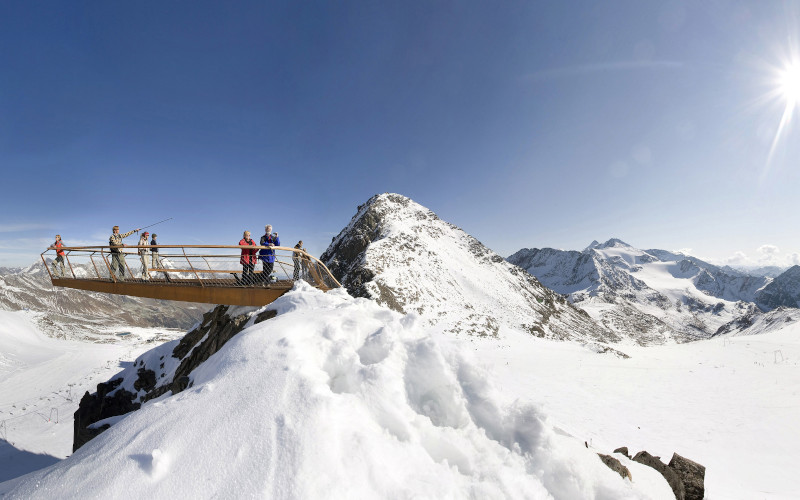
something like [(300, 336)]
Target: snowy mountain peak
[(612, 243), (593, 244), (404, 256)]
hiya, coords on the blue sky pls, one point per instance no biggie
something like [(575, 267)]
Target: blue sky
[(528, 124)]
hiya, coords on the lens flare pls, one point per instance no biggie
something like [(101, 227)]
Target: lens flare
[(786, 88), (789, 84)]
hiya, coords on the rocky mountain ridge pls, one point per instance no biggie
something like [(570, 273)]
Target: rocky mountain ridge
[(404, 256), (782, 291)]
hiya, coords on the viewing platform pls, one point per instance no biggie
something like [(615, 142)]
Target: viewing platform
[(209, 274)]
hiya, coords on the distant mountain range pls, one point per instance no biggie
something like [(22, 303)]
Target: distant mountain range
[(64, 312), (404, 256), (654, 295)]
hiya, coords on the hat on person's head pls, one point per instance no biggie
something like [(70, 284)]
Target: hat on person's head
[(146, 233)]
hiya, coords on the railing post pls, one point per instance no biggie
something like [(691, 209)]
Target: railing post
[(91, 258), (191, 266), (208, 264), (110, 272), (315, 274), (70, 265), (46, 266), (125, 261)]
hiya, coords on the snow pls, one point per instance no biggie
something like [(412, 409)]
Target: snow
[(730, 403), (41, 382), (342, 398), (339, 398)]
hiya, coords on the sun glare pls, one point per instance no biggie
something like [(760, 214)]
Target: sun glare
[(786, 87), (790, 84)]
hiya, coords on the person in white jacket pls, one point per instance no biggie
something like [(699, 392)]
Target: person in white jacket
[(144, 254)]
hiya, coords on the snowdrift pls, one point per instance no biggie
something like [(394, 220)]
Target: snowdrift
[(337, 397)]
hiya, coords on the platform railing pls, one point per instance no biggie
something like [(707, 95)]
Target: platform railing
[(187, 265)]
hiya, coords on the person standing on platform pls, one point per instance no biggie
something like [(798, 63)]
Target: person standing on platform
[(144, 255), (267, 255), (118, 265), (248, 260), (154, 260), (57, 246), (296, 256)]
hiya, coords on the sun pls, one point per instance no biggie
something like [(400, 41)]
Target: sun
[(786, 88), (789, 84)]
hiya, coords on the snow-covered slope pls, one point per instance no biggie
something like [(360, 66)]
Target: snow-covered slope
[(337, 397), (41, 381), (401, 254), (651, 296)]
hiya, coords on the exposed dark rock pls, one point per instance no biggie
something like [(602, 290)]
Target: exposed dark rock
[(217, 328), (672, 477), (268, 314), (97, 406), (146, 380), (181, 384), (692, 474), (623, 450), (616, 466)]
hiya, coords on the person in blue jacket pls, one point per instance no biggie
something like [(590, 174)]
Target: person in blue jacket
[(267, 255)]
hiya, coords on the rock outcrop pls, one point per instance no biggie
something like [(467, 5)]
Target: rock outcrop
[(616, 466), (673, 479), (692, 474), (684, 476), (164, 369)]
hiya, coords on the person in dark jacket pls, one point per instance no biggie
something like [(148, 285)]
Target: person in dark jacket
[(157, 263), (296, 260), (267, 255), (248, 260), (154, 260)]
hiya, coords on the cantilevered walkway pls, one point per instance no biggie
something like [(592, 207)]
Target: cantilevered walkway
[(190, 273)]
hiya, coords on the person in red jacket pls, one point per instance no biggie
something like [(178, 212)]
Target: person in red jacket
[(57, 246), (248, 260)]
